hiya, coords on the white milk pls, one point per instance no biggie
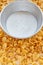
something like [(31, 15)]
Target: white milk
[(21, 24)]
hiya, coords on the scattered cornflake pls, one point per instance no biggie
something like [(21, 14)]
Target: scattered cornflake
[(35, 63), (4, 39)]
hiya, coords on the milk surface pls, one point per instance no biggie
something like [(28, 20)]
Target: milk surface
[(21, 24)]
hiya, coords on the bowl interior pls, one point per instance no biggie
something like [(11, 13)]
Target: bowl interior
[(21, 6)]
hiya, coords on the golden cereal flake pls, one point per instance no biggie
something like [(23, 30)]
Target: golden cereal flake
[(35, 56), (35, 63), (4, 39), (40, 61), (9, 63), (0, 63), (4, 45)]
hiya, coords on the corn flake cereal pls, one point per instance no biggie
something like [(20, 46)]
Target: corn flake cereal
[(21, 51)]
